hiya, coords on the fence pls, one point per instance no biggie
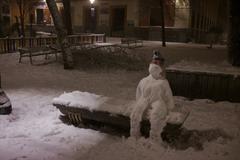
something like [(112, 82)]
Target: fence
[(8, 45)]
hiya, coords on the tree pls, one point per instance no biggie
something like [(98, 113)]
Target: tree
[(1, 24), (67, 14), (16, 26), (24, 7), (62, 34), (22, 12), (234, 33), (163, 23)]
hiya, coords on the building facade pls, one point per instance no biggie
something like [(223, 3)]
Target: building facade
[(138, 18), (185, 20), (4, 17)]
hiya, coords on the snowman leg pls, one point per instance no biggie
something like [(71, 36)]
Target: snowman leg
[(157, 119), (136, 117)]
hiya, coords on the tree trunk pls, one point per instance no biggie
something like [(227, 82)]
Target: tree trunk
[(31, 25), (1, 24), (234, 33), (67, 14), (17, 26), (163, 23), (22, 21), (62, 35), (21, 16)]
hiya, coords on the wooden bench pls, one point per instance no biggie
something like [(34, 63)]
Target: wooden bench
[(132, 42), (36, 51), (99, 112), (73, 46), (5, 104)]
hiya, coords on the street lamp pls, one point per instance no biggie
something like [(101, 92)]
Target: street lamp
[(92, 13)]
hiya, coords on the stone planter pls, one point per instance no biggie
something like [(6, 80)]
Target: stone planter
[(204, 85)]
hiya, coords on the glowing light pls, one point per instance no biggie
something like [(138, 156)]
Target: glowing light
[(92, 1)]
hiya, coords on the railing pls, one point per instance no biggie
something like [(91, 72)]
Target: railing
[(8, 45)]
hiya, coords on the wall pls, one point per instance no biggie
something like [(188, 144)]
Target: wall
[(4, 18), (104, 13), (182, 14), (77, 12)]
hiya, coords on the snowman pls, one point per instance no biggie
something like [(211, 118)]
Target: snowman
[(153, 96)]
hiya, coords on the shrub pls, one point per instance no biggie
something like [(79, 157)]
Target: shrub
[(92, 59)]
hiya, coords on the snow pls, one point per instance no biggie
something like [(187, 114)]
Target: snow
[(34, 131), (93, 102), (81, 100)]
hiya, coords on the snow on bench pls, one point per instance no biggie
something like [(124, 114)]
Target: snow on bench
[(93, 102), (84, 107)]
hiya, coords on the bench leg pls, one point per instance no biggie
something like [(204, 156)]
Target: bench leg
[(31, 61), (46, 56), (56, 56), (20, 59)]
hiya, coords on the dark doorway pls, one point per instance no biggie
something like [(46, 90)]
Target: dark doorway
[(40, 16), (118, 19), (90, 19)]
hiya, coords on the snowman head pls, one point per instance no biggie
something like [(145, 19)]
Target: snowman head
[(156, 65), (155, 71)]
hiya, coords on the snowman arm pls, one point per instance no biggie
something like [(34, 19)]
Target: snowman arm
[(138, 91), (169, 96)]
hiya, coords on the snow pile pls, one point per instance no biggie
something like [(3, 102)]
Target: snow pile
[(125, 149), (81, 100), (176, 117), (93, 102)]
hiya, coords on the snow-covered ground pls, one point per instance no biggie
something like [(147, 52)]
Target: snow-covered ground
[(34, 132)]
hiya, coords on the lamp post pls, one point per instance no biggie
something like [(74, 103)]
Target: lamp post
[(92, 14)]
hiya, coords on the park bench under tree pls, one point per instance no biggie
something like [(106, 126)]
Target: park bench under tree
[(132, 42), (36, 51)]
